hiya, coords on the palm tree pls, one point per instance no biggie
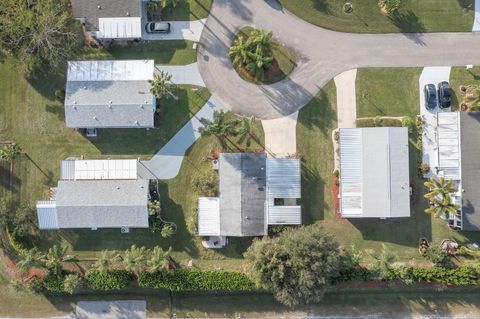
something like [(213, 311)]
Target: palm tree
[(259, 62), (219, 127), (106, 259), (56, 257), (134, 258), (472, 98), (440, 187), (170, 3), (440, 197), (262, 40), (161, 84), (30, 258), (246, 130), (10, 152), (239, 51), (159, 259)]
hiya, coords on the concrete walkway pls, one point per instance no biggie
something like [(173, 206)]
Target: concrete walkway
[(431, 75), (167, 162), (281, 135), (321, 55), (346, 99), (183, 74), (125, 309), (179, 30)]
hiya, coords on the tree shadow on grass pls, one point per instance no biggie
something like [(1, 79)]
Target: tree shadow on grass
[(8, 180), (313, 198), (57, 109), (321, 5), (46, 80), (409, 24), (318, 113)]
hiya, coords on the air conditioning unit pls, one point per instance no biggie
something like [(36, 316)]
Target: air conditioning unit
[(125, 230)]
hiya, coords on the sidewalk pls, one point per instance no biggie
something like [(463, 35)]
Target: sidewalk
[(346, 99)]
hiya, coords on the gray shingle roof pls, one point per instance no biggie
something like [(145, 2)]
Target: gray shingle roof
[(470, 141), (102, 203), (108, 94), (88, 9), (242, 194)]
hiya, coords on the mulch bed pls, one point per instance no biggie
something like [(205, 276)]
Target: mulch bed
[(336, 200)]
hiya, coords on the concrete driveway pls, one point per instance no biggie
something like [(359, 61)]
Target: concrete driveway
[(125, 309), (180, 30), (182, 74), (321, 55)]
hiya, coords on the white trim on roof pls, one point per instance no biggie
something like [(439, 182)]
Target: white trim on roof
[(99, 169), (208, 216), (283, 182), (448, 142), (47, 215), (110, 70), (119, 28), (351, 171)]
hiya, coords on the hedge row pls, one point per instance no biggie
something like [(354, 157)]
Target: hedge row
[(408, 274), (107, 279), (194, 279)]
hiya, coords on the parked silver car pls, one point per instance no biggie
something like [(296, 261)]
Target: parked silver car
[(157, 27)]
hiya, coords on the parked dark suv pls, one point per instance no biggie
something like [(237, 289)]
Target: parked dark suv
[(430, 96), (444, 96)]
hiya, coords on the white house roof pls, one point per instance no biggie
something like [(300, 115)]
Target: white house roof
[(99, 169), (448, 142), (110, 70), (374, 172), (119, 28), (208, 216), (283, 182), (109, 94), (47, 215)]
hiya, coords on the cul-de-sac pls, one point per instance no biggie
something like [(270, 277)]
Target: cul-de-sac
[(239, 159)]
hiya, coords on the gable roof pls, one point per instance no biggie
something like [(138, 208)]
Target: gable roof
[(109, 94), (374, 172), (92, 10), (96, 204), (242, 194)]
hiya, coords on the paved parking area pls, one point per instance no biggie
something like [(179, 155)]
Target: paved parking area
[(183, 74), (281, 135), (125, 309), (180, 30), (431, 75)]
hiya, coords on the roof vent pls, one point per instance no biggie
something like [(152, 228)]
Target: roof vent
[(84, 87), (95, 118), (74, 102), (99, 7), (118, 187), (74, 107), (141, 106), (109, 102), (127, 14), (110, 106), (136, 122)]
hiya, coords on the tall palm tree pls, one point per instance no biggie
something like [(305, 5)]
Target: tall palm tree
[(56, 257), (472, 98), (159, 259), (134, 258), (442, 205), (219, 127), (106, 259), (440, 187), (259, 62), (161, 85), (29, 259), (245, 131), (440, 197)]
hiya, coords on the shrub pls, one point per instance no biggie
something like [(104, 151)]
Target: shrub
[(195, 279), (387, 122), (364, 123), (408, 123), (436, 255), (424, 168), (72, 283), (205, 184), (107, 279), (60, 95), (377, 121), (54, 283), (167, 231), (389, 6)]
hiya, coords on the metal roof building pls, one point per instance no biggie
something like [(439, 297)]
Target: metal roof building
[(250, 184), (448, 143), (109, 94), (96, 194), (111, 19), (374, 172)]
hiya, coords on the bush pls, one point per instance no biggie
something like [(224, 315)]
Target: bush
[(424, 168), (391, 122), (60, 95), (408, 123), (167, 231), (54, 283), (195, 279), (454, 276), (378, 121), (107, 279), (436, 255), (72, 283)]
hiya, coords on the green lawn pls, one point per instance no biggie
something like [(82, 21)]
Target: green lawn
[(387, 92), (163, 52), (413, 16), (462, 76), (188, 10), (400, 236)]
